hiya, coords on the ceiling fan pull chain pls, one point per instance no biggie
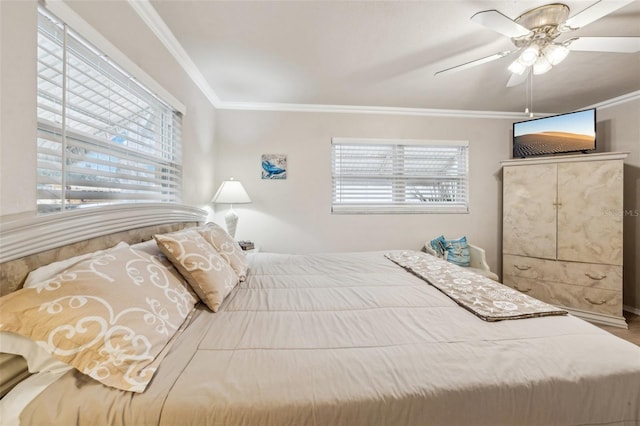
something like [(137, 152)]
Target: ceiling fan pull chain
[(531, 94), (528, 95)]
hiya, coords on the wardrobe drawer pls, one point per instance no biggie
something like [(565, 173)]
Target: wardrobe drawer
[(597, 300), (597, 276)]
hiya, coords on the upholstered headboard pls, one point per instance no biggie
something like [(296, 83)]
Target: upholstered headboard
[(28, 243)]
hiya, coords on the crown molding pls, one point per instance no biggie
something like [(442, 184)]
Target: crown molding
[(629, 97), (148, 14), (155, 22), (360, 109)]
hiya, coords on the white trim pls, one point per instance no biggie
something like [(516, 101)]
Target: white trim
[(616, 101), (360, 109), (600, 156), (148, 14), (592, 317), (35, 234), (631, 309), (82, 27), (398, 209)]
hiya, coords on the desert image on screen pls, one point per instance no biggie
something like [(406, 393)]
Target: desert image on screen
[(565, 133)]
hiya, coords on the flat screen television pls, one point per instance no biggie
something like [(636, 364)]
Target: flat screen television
[(571, 132)]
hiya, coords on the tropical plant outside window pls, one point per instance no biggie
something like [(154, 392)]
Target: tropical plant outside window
[(103, 138), (399, 176)]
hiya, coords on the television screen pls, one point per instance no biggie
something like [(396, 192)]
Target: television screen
[(575, 131)]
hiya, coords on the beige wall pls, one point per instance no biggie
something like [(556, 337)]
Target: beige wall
[(619, 130), (294, 215), (18, 98), (17, 106)]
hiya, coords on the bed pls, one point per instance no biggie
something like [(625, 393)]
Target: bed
[(352, 339)]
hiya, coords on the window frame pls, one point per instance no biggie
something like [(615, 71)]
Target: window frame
[(117, 167), (392, 195)]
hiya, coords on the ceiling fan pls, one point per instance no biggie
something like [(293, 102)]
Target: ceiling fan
[(536, 36)]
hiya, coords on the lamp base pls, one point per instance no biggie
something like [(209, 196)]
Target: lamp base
[(231, 220)]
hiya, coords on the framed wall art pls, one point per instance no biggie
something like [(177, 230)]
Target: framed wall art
[(274, 166)]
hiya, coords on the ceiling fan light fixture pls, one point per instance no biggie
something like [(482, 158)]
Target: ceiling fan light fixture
[(555, 53), (529, 55), (517, 68), (535, 35), (541, 66)]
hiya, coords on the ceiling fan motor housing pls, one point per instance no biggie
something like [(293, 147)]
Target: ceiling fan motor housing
[(543, 21)]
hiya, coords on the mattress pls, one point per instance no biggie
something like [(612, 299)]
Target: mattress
[(353, 339)]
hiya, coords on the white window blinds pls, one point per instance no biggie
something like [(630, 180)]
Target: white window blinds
[(399, 176), (102, 137)]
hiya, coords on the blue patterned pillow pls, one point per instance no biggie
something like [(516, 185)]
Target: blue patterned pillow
[(458, 251), (437, 245)]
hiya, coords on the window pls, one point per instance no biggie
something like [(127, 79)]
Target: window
[(103, 138), (399, 176)]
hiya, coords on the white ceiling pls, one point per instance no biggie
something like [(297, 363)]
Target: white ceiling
[(385, 54)]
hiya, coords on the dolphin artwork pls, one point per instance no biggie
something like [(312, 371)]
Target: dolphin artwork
[(271, 171)]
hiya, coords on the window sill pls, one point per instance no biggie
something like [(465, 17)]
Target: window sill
[(360, 209)]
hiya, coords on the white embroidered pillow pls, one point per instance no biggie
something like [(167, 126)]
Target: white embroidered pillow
[(226, 246), (111, 316), (207, 272), (52, 269)]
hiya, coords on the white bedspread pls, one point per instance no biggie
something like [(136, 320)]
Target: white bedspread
[(353, 339)]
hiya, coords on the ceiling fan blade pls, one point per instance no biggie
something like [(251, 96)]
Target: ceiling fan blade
[(475, 63), (593, 13), (605, 44), (500, 23), (518, 79)]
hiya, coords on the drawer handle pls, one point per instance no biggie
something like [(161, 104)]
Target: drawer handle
[(596, 277), (522, 267), (593, 302), (521, 290)]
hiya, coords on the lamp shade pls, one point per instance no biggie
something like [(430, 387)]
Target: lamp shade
[(541, 66), (529, 55), (517, 68), (231, 192), (555, 53)]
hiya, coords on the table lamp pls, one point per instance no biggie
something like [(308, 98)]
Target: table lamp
[(231, 192)]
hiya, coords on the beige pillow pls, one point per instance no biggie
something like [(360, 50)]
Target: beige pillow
[(151, 247), (226, 246), (111, 316), (206, 271)]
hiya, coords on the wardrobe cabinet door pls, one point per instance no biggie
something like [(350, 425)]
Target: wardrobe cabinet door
[(529, 211), (590, 211)]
